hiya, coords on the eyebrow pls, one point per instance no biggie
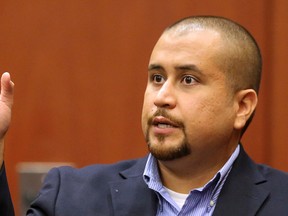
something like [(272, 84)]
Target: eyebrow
[(188, 67), (184, 67), (155, 67)]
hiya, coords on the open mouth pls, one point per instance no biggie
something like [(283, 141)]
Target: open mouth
[(162, 122), (164, 125)]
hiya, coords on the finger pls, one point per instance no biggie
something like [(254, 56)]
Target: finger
[(7, 87)]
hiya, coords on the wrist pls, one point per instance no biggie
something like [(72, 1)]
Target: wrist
[(1, 152)]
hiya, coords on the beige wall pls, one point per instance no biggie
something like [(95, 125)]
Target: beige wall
[(80, 73)]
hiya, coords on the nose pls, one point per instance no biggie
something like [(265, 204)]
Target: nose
[(165, 97)]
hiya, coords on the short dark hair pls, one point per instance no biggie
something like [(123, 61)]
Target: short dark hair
[(242, 61)]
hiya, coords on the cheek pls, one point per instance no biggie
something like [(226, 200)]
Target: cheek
[(216, 117), (147, 110), (196, 108), (212, 106), (148, 102), (203, 114)]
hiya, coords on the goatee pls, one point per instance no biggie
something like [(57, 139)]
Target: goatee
[(161, 152)]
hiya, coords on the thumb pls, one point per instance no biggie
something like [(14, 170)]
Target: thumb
[(7, 87)]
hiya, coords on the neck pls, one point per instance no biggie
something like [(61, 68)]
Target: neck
[(190, 172)]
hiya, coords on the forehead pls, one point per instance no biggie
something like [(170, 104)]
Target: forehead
[(195, 45)]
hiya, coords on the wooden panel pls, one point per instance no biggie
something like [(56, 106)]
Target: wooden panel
[(278, 84)]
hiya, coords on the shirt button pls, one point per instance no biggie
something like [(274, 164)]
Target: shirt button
[(212, 203)]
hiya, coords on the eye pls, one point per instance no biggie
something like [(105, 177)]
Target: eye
[(188, 80), (157, 78)]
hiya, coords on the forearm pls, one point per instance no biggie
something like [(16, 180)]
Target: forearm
[(6, 206), (1, 152)]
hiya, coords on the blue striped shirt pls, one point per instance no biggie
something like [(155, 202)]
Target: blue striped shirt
[(199, 202)]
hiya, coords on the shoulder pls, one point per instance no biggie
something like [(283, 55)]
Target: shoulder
[(90, 183), (252, 187), (258, 173), (263, 177), (275, 178), (99, 171)]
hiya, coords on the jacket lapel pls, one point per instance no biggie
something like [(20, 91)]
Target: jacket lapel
[(243, 193), (244, 190), (131, 196)]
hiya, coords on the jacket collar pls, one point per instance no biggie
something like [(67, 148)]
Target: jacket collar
[(242, 194), (244, 190), (131, 195)]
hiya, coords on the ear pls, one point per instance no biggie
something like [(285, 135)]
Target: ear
[(246, 101)]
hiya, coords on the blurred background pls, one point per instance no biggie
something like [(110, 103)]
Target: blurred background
[(80, 70)]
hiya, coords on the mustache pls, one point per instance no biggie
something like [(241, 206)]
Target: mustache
[(165, 114)]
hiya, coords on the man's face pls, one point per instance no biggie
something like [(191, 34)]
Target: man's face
[(189, 109)]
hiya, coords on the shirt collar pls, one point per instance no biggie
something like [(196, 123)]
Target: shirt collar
[(152, 178)]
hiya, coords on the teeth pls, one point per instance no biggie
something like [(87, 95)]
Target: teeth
[(164, 126)]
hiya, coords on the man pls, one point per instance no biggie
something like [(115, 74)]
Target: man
[(203, 80)]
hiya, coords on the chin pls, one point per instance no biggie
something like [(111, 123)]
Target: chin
[(168, 153)]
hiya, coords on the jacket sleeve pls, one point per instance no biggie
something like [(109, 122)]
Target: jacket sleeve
[(6, 205), (44, 204)]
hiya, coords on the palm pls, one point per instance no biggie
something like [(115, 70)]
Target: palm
[(5, 116)]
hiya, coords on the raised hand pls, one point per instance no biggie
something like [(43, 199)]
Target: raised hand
[(6, 102)]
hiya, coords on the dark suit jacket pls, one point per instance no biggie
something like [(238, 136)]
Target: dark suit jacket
[(119, 189), (6, 207)]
